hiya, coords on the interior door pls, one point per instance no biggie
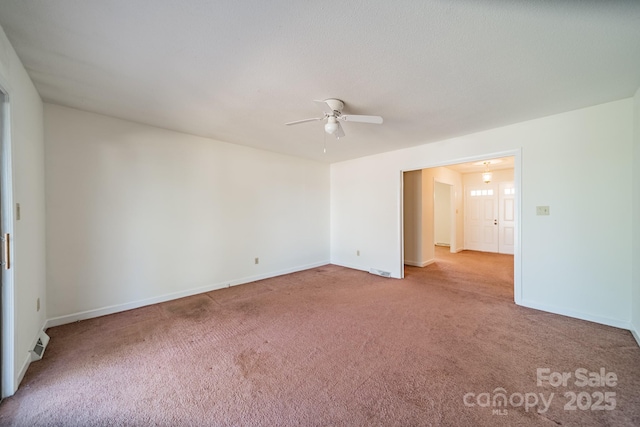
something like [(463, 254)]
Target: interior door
[(481, 224), (3, 132), (506, 218)]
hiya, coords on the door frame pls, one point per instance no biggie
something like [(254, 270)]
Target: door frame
[(7, 301), (453, 245), (517, 183)]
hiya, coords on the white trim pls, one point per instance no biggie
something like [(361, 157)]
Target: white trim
[(27, 360), (103, 311), (23, 371), (517, 244), (420, 264), (351, 266), (577, 315), (635, 333), (10, 381), (400, 220)]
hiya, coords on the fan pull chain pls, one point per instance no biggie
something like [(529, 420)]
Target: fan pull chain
[(325, 141)]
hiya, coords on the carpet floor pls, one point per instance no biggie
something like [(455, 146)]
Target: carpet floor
[(334, 346)]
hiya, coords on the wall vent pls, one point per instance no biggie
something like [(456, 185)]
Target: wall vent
[(41, 345), (380, 272)]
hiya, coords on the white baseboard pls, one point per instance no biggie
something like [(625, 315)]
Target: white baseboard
[(22, 372), (419, 264), (635, 333), (351, 266), (616, 323), (360, 268), (27, 360), (89, 314)]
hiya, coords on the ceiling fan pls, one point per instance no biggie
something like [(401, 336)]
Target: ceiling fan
[(333, 113)]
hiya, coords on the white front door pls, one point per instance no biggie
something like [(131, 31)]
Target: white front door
[(481, 224), (506, 217)]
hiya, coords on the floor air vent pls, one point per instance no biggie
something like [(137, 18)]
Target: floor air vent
[(380, 272), (41, 345)]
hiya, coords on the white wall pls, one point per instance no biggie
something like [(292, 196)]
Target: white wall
[(635, 300), (427, 249), (442, 213), (413, 218), (137, 214), (577, 261), (420, 214), (454, 179), (22, 325)]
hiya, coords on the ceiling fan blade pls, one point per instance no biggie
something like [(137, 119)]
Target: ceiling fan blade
[(324, 107), (361, 119), (339, 133), (304, 121)]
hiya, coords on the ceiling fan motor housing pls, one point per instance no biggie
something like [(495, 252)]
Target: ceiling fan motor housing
[(335, 104)]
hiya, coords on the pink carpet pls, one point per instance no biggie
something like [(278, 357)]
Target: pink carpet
[(334, 346)]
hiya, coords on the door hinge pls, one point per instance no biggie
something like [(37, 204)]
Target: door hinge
[(6, 251)]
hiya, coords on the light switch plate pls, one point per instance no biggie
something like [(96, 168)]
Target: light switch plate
[(542, 210)]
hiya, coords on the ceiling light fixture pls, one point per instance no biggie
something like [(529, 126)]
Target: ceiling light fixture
[(332, 125), (487, 175)]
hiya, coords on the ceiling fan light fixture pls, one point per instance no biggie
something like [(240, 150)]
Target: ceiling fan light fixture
[(332, 125)]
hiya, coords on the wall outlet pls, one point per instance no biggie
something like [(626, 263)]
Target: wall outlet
[(38, 304), (17, 211), (542, 210), (358, 252), (256, 261)]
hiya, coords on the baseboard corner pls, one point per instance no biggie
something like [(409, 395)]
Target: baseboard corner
[(616, 323), (419, 264), (635, 333), (22, 372)]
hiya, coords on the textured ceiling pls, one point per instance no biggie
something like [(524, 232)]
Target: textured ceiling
[(237, 70)]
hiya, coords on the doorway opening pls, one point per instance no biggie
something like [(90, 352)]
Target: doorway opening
[(451, 208)]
